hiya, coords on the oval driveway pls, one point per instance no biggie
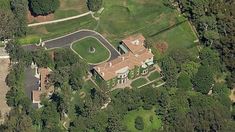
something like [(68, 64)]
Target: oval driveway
[(67, 40)]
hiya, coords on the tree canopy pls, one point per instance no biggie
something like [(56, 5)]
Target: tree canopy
[(94, 5), (7, 24), (203, 80), (43, 7), (170, 71)]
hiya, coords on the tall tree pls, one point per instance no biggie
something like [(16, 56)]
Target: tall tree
[(184, 81), (7, 25), (43, 7), (170, 71), (19, 8), (203, 80)]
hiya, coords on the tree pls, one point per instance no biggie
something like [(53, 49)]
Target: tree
[(169, 71), (210, 58), (43, 7), (18, 121), (18, 54), (114, 124), (19, 8), (7, 25), (207, 114), (181, 56), (203, 80), (94, 5), (139, 123), (78, 72), (91, 49), (149, 97), (50, 118), (42, 58), (221, 93), (64, 57), (190, 67), (184, 81)]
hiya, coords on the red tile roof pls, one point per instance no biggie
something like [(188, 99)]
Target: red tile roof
[(138, 55), (134, 43), (36, 94)]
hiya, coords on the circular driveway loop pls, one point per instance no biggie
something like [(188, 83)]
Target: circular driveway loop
[(67, 40)]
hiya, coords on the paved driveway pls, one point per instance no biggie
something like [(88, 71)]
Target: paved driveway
[(67, 40)]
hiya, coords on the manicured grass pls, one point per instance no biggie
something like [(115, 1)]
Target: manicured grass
[(178, 37), (65, 13), (154, 76), (30, 39), (139, 82), (123, 18), (70, 8), (82, 48), (129, 120), (57, 29)]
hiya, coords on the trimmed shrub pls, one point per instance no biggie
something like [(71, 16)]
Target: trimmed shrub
[(139, 123)]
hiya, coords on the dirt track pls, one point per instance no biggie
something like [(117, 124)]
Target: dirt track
[(4, 64)]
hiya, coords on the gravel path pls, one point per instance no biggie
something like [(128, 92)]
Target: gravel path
[(59, 20)]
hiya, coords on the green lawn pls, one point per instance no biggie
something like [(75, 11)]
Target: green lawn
[(58, 29), (178, 37), (70, 8), (154, 125), (154, 76), (123, 18), (82, 48), (139, 82)]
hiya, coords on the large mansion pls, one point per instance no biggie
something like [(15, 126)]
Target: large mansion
[(136, 60)]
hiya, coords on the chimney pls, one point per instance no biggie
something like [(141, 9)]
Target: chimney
[(123, 58), (150, 51), (102, 73), (110, 64), (98, 69)]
